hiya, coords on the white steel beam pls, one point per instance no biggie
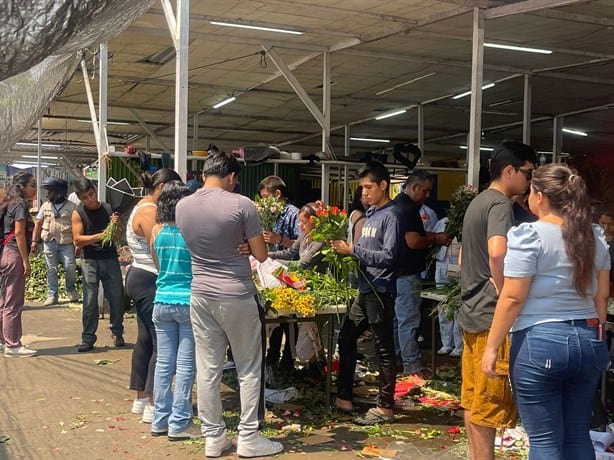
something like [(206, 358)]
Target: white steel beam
[(557, 138), (296, 86), (169, 15), (326, 70), (102, 118), (39, 152), (475, 116), (527, 6), (421, 129), (526, 111), (181, 88), (90, 103), (148, 129), (325, 187)]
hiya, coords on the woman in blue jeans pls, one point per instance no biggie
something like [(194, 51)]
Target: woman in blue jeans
[(171, 318), (554, 301)]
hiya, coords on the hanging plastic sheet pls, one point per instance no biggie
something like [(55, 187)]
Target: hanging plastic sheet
[(33, 30), (40, 43)]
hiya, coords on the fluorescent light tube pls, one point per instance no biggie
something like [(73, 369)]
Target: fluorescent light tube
[(42, 157), (108, 122), (391, 114), (34, 144), (575, 131), (517, 48), (224, 102), (367, 139), (467, 93), (249, 26), (485, 149)]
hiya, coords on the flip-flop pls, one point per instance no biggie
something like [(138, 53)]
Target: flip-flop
[(373, 417)]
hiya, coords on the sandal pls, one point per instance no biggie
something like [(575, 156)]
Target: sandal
[(346, 410), (373, 417)]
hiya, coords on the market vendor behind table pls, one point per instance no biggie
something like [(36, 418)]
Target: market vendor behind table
[(304, 249), (54, 229)]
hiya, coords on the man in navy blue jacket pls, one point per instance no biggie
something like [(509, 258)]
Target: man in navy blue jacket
[(376, 252)]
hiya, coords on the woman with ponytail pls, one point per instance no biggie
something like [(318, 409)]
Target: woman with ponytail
[(554, 301), (16, 237), (141, 288)]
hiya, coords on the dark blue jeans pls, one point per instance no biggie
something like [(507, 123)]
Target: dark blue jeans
[(107, 271), (554, 369)]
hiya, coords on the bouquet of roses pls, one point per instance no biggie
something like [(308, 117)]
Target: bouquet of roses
[(458, 207), (269, 209), (330, 224)]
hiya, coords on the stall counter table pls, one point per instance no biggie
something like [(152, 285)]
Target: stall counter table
[(331, 313)]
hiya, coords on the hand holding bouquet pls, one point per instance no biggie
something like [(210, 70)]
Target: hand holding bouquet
[(269, 209)]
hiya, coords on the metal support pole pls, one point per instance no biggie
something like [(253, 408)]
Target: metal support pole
[(526, 111), (90, 102), (195, 132), (421, 131), (296, 86), (346, 170), (102, 119), (326, 68), (346, 141), (180, 38), (475, 121), (149, 130), (557, 139), (325, 189), (39, 152)]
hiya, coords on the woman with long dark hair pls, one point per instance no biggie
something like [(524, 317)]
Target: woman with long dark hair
[(171, 316), (141, 288), (554, 300), (15, 263)]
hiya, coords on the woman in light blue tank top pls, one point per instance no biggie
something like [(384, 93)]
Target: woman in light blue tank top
[(171, 318), (554, 300)]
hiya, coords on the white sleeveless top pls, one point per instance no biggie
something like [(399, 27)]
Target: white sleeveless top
[(139, 246)]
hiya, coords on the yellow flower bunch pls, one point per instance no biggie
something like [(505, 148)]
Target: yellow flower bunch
[(289, 300)]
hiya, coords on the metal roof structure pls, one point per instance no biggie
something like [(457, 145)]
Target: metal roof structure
[(381, 55)]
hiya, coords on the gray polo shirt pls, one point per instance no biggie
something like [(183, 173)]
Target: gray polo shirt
[(213, 223)]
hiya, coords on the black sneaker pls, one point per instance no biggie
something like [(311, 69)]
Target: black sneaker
[(83, 347), (118, 340)]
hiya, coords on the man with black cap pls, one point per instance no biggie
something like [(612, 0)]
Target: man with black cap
[(54, 229)]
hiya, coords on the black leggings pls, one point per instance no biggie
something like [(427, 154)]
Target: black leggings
[(141, 288)]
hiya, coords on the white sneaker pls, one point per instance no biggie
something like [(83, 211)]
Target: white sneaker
[(228, 365), (139, 404), (148, 413), (444, 351), (50, 301), (457, 353), (215, 447), (19, 352), (256, 445), (190, 432)]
